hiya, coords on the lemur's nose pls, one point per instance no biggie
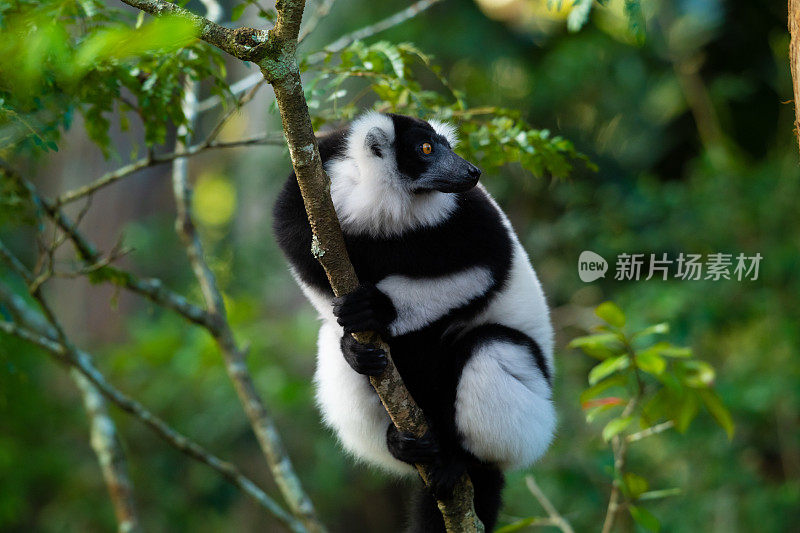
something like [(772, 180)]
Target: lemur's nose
[(474, 172)]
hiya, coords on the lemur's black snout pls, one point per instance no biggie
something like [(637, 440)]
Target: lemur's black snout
[(474, 172)]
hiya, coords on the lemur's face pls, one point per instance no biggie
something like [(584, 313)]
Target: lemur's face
[(426, 160)]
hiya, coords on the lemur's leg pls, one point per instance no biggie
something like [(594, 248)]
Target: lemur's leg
[(350, 406), (503, 408)]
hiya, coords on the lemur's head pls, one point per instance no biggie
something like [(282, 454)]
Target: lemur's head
[(423, 154), (397, 173)]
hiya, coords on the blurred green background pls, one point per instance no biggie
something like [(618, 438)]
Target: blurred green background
[(693, 137)]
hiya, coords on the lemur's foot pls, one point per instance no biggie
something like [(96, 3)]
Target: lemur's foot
[(409, 448), (365, 359), (364, 309), (444, 475)]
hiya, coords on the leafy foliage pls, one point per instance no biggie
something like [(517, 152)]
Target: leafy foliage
[(640, 388), (393, 74), (60, 57)]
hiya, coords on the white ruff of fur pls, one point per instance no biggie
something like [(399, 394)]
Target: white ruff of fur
[(446, 130), (370, 195)]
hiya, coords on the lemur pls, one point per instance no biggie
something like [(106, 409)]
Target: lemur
[(446, 282)]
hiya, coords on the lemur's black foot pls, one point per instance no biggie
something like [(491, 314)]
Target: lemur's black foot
[(445, 471), (364, 309), (444, 474), (409, 448), (365, 359)]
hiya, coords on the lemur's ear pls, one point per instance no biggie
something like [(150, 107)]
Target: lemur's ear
[(377, 140)]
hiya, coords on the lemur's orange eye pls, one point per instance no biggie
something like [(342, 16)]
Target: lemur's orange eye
[(427, 148)]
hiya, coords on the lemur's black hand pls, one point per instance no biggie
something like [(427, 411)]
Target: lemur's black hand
[(364, 309), (365, 359), (409, 448)]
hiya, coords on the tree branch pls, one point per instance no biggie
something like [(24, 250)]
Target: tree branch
[(368, 31), (153, 160), (103, 430), (619, 447), (106, 445), (315, 58), (152, 289), (329, 249), (234, 357), (82, 362), (554, 516), (246, 44), (794, 60), (322, 11)]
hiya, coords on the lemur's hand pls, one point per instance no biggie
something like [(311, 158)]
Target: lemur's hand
[(364, 309), (365, 359)]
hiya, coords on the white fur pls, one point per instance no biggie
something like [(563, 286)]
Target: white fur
[(421, 301), (503, 407), (368, 192), (350, 406), (446, 130), (321, 301), (520, 303)]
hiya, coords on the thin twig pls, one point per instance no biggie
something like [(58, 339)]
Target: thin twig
[(653, 430), (619, 448), (234, 357), (553, 515), (322, 11), (346, 40), (103, 430), (151, 288), (153, 160), (107, 447), (82, 362), (317, 57)]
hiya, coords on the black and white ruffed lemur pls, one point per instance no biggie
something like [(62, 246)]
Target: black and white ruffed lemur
[(444, 279)]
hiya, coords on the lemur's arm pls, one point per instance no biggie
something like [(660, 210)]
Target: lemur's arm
[(399, 304)]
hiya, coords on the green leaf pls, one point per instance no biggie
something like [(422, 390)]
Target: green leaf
[(658, 494), (655, 329), (615, 426), (668, 350), (608, 367), (602, 386), (650, 362), (600, 346), (519, 525), (636, 23), (685, 410), (717, 410), (594, 412), (635, 484), (645, 518), (698, 374), (611, 313), (579, 15), (238, 11)]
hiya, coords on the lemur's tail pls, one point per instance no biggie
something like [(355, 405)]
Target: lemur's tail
[(488, 482)]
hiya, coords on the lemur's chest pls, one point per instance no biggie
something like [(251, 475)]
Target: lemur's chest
[(474, 235)]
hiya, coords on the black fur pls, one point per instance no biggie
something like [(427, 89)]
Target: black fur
[(487, 480), (429, 360)]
